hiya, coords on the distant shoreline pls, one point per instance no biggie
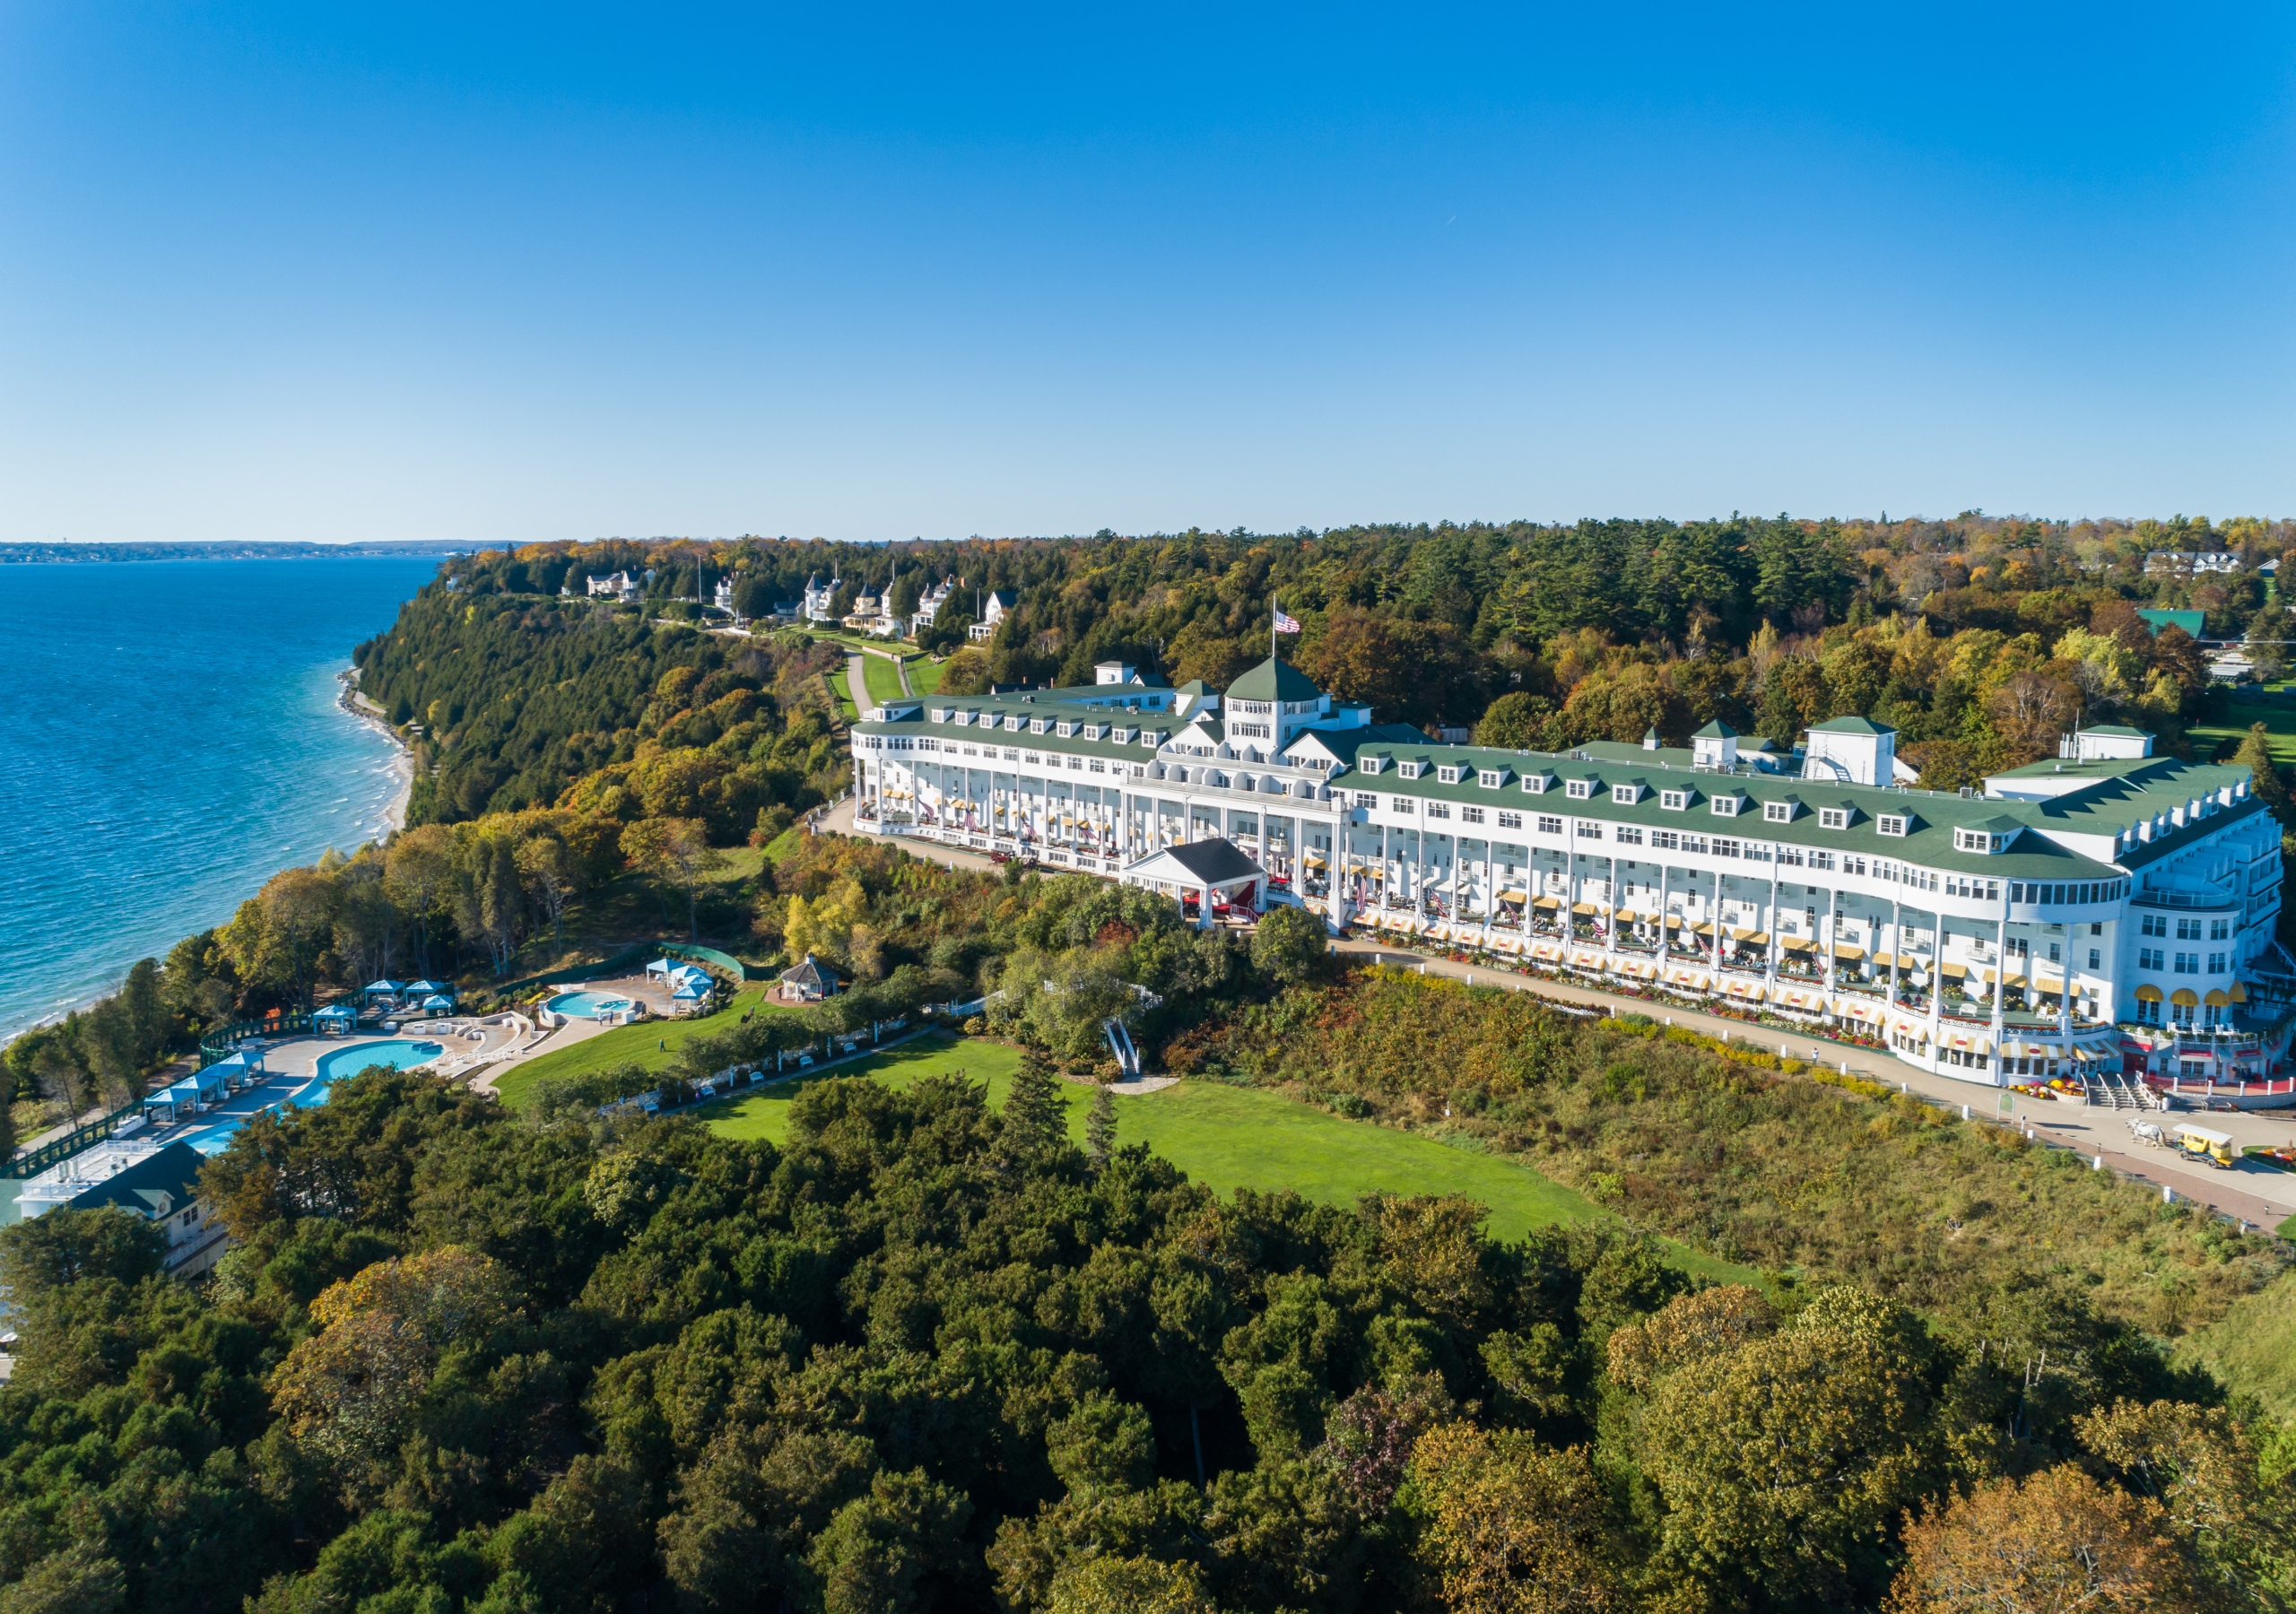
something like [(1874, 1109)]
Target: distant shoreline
[(402, 754), (89, 554)]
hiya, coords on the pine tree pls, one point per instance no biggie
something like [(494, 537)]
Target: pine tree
[(2255, 755), (1035, 1118), (1099, 1127)]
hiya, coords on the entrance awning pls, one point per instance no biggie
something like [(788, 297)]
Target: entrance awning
[(2183, 997), (2148, 993)]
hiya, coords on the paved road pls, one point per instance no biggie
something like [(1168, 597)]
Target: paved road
[(2254, 1192), (856, 682)]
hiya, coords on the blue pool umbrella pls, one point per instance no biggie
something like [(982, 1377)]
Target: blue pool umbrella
[(691, 989)]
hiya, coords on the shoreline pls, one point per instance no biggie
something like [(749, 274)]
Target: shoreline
[(403, 754)]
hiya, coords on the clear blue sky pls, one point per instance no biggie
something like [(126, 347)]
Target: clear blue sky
[(486, 272)]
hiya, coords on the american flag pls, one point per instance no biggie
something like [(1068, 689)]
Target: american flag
[(1286, 624)]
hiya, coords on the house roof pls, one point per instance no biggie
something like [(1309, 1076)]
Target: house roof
[(1715, 730), (2119, 731), (2191, 621), (1274, 679), (1851, 725), (160, 1184)]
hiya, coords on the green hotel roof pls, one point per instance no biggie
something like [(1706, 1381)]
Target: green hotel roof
[(1274, 679), (1851, 725)]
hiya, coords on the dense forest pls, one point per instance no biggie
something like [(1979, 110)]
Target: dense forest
[(931, 1355)]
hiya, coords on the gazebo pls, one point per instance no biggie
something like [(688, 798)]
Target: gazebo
[(416, 989), (375, 989), (808, 983), (337, 1018), (1216, 873), (437, 1004)]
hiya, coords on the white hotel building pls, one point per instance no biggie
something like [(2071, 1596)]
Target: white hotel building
[(2110, 912)]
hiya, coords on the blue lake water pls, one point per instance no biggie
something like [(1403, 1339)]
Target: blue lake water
[(169, 740)]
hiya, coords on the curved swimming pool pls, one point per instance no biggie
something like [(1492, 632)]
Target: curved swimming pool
[(588, 1005), (397, 1054)]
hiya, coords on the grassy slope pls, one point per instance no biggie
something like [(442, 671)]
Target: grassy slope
[(925, 675), (844, 696), (883, 675), (2239, 714), (2253, 1346), (649, 1043), (1228, 1138)]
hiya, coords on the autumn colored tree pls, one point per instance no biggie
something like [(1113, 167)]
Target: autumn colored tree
[(2056, 1543), (676, 850), (1511, 1527)]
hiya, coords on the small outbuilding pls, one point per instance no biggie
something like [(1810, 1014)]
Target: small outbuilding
[(809, 983), (1214, 874)]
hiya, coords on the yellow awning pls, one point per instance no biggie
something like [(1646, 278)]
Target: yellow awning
[(2239, 993), (2148, 993), (1738, 934), (1673, 921), (1584, 909), (1546, 902), (1704, 927), (1843, 950), (1884, 961), (1796, 943), (1513, 896), (1956, 970), (2217, 1000), (1757, 938), (1625, 915), (2183, 997), (1313, 861)]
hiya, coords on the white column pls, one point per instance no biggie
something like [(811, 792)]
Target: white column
[(2000, 982)]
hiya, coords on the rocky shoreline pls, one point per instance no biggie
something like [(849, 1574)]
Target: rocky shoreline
[(403, 760)]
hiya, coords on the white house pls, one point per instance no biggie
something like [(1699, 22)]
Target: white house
[(2105, 914), (818, 596), (928, 606), (621, 586), (993, 611), (721, 596)]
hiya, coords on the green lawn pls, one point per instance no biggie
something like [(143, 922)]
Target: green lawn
[(883, 675), (1228, 1138), (649, 1043), (844, 696), (2281, 721), (925, 675)]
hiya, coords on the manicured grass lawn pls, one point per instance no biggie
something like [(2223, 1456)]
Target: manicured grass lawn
[(882, 676), (649, 1043), (844, 696), (1228, 1138), (925, 675), (2279, 720)]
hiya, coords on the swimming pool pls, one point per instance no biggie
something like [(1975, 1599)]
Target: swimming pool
[(588, 1005), (398, 1052)]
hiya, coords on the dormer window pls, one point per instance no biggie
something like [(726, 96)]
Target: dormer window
[(1122, 736), (1449, 775), (1580, 790), (939, 714), (1492, 778), (1093, 731), (1037, 725), (1833, 818), (1537, 784), (1777, 812), (1064, 730), (1890, 823), (1013, 723), (1626, 795), (1371, 765), (1409, 770), (1725, 806), (1984, 841), (1673, 800)]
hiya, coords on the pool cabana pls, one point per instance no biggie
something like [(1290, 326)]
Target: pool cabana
[(437, 1004), (382, 989), (336, 1018)]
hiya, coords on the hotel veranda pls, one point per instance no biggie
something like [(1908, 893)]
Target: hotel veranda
[(2107, 911)]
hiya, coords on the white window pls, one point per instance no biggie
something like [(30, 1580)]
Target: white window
[(1665, 840), (1725, 806), (2216, 963), (1833, 818), (1628, 835), (1471, 815), (1673, 799), (1550, 825), (1510, 820), (1371, 765), (1439, 810), (1890, 823), (1580, 790), (1588, 829), (1777, 812), (1364, 798), (1409, 770), (1402, 805), (1449, 774), (1626, 794), (1537, 784), (1490, 778)]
